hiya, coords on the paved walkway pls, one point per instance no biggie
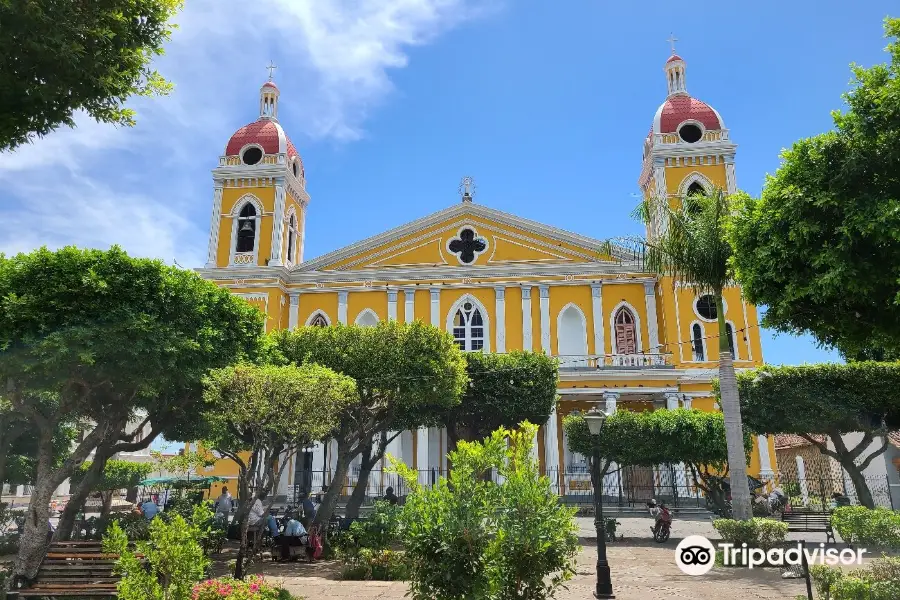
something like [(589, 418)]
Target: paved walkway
[(641, 570)]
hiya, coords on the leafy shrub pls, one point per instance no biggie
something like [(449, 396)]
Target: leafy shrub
[(468, 537), (175, 561), (380, 565), (756, 532), (379, 530), (880, 581), (252, 588), (134, 524), (878, 527)]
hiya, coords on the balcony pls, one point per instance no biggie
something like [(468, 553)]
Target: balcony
[(616, 361)]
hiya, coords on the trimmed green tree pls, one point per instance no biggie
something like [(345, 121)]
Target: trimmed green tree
[(830, 400), (260, 415), (503, 391), (94, 337), (650, 438), (116, 475), (403, 372), (688, 243), (70, 56), (820, 248)]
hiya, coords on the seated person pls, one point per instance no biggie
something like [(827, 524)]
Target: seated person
[(390, 496), (150, 509), (256, 516), (294, 534)]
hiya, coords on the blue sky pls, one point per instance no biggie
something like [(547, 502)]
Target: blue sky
[(390, 102)]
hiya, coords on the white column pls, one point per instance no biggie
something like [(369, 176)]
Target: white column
[(500, 320), (526, 318), (436, 307), (422, 455), (409, 312), (730, 179), (765, 460), (545, 319), (680, 470), (342, 307), (551, 447), (214, 225), (611, 483), (597, 310), (294, 311), (652, 325), (392, 305), (277, 224), (331, 462), (801, 478), (687, 402)]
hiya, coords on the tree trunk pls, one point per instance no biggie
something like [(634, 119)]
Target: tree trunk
[(734, 430), (863, 494), (242, 551), (367, 463), (329, 502), (131, 495), (79, 496), (107, 498)]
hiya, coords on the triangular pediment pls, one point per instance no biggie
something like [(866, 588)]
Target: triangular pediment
[(438, 239)]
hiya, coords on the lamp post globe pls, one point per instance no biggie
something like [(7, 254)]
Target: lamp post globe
[(595, 418)]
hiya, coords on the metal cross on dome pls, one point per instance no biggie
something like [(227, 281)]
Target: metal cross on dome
[(271, 69), (467, 245), (672, 39)]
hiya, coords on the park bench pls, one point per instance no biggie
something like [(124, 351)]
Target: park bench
[(810, 522), (73, 569)]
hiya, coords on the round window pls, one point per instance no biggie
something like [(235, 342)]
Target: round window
[(690, 133), (706, 308), (467, 306), (252, 156)]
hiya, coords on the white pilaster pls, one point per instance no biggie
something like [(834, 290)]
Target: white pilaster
[(551, 448), (342, 308), (294, 311), (409, 311), (597, 310), (545, 319), (214, 225), (422, 455), (500, 311), (392, 305), (526, 318), (611, 398), (730, 179), (436, 306), (671, 401), (652, 325), (611, 482), (277, 224), (765, 460), (394, 448), (687, 402)]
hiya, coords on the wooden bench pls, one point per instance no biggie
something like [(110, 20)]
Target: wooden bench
[(73, 569), (810, 522)]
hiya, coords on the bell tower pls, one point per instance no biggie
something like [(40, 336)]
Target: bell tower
[(688, 148), (260, 199)]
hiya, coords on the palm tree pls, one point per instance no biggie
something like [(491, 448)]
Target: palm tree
[(688, 243)]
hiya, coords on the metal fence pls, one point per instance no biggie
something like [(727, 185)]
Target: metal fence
[(822, 490), (629, 486), (318, 482)]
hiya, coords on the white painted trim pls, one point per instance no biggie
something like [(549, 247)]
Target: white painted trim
[(676, 291), (292, 213), (701, 317), (695, 177), (746, 328), (690, 122), (500, 310), (294, 311), (236, 213), (734, 336), (409, 312), (706, 357), (527, 341), (559, 329), (257, 296), (652, 317), (544, 291), (214, 226), (765, 460), (363, 313), (278, 225), (246, 147), (485, 316), (342, 307), (597, 312), (477, 235), (392, 305), (312, 316), (730, 178), (637, 326), (435, 306)]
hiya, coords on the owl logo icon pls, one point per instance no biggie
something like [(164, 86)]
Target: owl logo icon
[(695, 555)]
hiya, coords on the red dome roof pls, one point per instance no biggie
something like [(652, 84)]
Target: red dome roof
[(265, 132), (673, 58), (270, 84), (681, 108)]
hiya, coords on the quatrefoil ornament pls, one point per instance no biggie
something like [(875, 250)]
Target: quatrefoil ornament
[(467, 245)]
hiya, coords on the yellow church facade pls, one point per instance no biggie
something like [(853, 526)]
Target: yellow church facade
[(624, 338)]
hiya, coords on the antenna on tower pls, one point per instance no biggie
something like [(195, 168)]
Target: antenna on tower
[(467, 189)]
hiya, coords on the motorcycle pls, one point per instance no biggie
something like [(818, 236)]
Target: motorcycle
[(662, 529)]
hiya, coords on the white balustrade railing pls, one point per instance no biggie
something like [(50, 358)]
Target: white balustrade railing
[(614, 361)]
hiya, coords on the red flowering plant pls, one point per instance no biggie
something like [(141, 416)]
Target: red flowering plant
[(252, 588)]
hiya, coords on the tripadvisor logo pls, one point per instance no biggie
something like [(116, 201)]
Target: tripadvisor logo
[(695, 555)]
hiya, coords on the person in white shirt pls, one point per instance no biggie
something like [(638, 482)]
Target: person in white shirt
[(256, 515), (224, 503)]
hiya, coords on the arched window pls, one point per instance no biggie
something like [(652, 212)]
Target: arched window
[(468, 327), (697, 342), (318, 320), (729, 329), (246, 229), (292, 237), (367, 318), (572, 336), (695, 188), (626, 332)]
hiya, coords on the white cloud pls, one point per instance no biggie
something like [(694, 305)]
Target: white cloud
[(97, 185)]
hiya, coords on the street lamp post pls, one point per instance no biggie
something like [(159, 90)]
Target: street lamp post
[(595, 418)]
